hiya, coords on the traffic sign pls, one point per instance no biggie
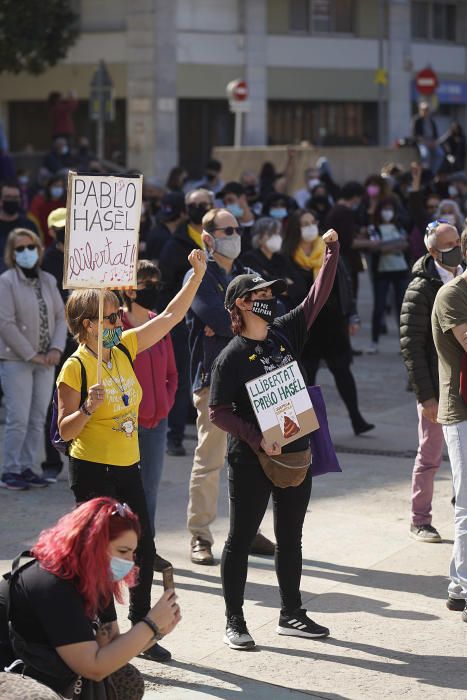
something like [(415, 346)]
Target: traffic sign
[(237, 90), (426, 81)]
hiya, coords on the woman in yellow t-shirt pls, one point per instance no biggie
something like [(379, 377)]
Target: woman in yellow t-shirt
[(103, 429)]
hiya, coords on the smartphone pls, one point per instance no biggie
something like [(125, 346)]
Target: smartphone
[(168, 578)]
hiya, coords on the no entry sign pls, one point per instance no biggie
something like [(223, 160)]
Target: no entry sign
[(426, 81)]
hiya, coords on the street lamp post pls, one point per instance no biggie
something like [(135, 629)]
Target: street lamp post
[(101, 104)]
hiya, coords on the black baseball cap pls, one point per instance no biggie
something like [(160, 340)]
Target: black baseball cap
[(172, 205), (243, 284)]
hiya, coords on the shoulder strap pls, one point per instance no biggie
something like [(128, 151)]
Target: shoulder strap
[(84, 379), (125, 351), (12, 575)]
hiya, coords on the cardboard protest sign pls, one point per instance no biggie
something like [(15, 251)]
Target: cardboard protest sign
[(282, 404), (102, 231)]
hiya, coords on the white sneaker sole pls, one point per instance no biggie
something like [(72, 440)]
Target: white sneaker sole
[(239, 647), (300, 633), (427, 540)]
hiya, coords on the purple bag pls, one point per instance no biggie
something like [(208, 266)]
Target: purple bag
[(324, 455)]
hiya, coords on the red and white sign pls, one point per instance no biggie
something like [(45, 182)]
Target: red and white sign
[(237, 90), (426, 81)]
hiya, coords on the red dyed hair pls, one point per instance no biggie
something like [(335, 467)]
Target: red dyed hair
[(236, 318), (76, 549)]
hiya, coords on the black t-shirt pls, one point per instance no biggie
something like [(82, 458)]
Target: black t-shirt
[(244, 359), (47, 609)]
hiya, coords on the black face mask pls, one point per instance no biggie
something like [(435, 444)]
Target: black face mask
[(196, 212), (11, 207), (60, 235), (147, 298), (265, 309), (451, 257)]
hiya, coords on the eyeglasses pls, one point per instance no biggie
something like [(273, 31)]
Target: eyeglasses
[(229, 230), (121, 509), (113, 317), (20, 248)]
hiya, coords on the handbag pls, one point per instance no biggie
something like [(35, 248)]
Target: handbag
[(14, 686), (324, 455), (287, 469)]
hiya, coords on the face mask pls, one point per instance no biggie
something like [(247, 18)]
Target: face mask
[(274, 243), (120, 568), (229, 247), (450, 218), (11, 207), (235, 209), (147, 298), (309, 233), (27, 258), (23, 180), (372, 190), (111, 336), (196, 212), (60, 235), (453, 191), (451, 257), (265, 309), (279, 213), (56, 192), (387, 215), (312, 182)]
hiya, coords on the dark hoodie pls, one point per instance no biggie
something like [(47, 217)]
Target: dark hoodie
[(417, 346)]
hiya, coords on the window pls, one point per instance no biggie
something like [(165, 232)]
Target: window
[(321, 16), (434, 20)]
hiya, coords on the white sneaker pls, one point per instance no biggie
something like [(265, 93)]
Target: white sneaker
[(372, 349)]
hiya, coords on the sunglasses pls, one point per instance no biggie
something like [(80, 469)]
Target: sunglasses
[(113, 317), (435, 224), (20, 248), (121, 509), (229, 230)]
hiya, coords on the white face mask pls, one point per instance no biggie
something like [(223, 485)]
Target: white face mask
[(310, 232), (312, 182), (274, 243), (387, 215), (450, 218), (452, 189)]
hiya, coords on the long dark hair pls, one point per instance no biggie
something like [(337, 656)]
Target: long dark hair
[(293, 233)]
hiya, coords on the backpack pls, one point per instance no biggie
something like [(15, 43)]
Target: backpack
[(61, 445)]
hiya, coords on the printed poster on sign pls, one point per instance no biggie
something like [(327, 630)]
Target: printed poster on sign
[(282, 404), (102, 231)]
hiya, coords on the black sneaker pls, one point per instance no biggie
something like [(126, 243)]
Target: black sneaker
[(156, 653), (175, 449), (297, 624), (237, 635), (33, 480), (456, 604), (425, 533)]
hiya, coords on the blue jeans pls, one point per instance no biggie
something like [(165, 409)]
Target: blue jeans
[(455, 437), (27, 388), (152, 443)]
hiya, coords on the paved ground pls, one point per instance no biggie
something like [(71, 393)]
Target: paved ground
[(381, 593)]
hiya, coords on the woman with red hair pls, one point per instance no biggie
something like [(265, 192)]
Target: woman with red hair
[(60, 606)]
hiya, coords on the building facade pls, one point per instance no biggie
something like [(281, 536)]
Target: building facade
[(311, 67)]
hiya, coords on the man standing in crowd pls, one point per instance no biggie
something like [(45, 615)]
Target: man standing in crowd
[(449, 322), (174, 265), (11, 216), (439, 266), (425, 135), (234, 199), (169, 217), (210, 331)]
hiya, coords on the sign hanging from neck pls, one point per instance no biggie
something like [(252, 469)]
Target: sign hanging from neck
[(102, 231)]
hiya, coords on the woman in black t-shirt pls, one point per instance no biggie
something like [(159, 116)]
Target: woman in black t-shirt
[(262, 343), (56, 602)]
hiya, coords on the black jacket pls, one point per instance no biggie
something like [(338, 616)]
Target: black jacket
[(418, 349), (278, 267), (174, 265)]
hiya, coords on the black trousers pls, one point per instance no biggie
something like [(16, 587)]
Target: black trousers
[(249, 491), (90, 480), (345, 385)]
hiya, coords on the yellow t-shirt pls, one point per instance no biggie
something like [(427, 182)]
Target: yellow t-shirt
[(111, 435)]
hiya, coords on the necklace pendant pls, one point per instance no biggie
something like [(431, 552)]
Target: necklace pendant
[(125, 399), (109, 364)]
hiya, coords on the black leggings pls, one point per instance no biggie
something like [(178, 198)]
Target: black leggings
[(249, 491), (345, 385), (91, 479)]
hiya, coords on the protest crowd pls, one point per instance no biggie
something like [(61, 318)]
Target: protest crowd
[(234, 280)]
